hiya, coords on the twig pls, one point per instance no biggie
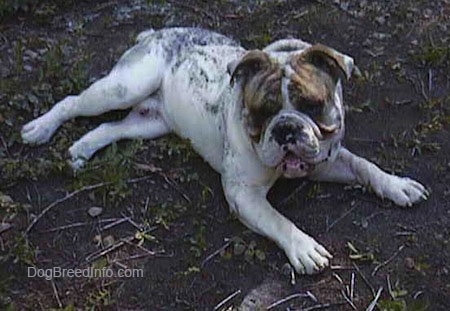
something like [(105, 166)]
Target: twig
[(384, 263), (430, 79), (349, 301), (121, 265), (138, 179), (113, 224), (216, 252), (137, 256), (174, 185), (338, 268), (55, 292), (226, 300), (364, 279), (142, 248), (337, 277), (102, 252), (341, 217), (310, 295), (352, 286), (5, 146), (294, 193), (388, 281), (422, 90), (132, 222), (77, 224), (290, 297), (70, 195), (417, 294), (375, 300), (323, 306)]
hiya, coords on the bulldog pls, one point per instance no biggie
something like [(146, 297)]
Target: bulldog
[(254, 116)]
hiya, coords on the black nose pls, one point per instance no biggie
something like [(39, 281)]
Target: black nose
[(287, 133)]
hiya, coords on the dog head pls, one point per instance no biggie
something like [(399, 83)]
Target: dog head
[(292, 104)]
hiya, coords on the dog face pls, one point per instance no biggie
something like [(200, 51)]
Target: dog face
[(292, 105)]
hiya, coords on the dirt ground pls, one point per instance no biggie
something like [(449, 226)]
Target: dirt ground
[(156, 206)]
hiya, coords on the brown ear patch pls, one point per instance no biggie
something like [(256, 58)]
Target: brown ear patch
[(336, 64), (252, 62), (260, 78)]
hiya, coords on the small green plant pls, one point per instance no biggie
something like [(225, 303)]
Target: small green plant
[(434, 55), (250, 250), (198, 240), (113, 169)]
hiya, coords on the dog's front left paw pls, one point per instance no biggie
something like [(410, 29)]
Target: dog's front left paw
[(306, 255), (403, 191)]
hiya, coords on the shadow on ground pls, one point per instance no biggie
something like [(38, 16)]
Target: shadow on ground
[(157, 206)]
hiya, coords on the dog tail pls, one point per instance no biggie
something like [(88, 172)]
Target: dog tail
[(141, 36)]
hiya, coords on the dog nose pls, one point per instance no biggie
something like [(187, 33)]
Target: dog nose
[(287, 133)]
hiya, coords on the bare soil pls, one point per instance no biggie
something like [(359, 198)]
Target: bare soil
[(162, 207)]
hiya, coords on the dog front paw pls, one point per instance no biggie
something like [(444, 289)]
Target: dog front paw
[(306, 255), (404, 191)]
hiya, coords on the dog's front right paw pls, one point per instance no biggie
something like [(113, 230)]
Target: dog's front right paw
[(306, 255)]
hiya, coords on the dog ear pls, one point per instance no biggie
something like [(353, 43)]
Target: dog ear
[(251, 63), (330, 60)]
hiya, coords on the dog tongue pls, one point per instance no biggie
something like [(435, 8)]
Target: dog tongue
[(294, 163)]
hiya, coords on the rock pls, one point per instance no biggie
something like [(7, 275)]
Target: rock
[(380, 20), (4, 226), (95, 211), (261, 297)]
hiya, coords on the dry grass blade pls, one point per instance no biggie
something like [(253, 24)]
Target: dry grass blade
[(226, 300), (286, 299), (217, 252), (375, 300), (384, 263), (323, 306), (70, 195)]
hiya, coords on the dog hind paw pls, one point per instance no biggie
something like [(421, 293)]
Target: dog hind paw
[(79, 154), (39, 131)]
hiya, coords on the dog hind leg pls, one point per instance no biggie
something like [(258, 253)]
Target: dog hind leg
[(136, 76), (143, 122)]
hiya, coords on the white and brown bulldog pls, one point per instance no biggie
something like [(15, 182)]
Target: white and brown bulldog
[(254, 116)]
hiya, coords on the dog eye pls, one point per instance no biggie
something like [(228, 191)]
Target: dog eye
[(311, 108), (270, 106)]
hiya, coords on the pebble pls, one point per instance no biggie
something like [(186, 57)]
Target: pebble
[(95, 211)]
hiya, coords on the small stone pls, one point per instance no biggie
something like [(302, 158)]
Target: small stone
[(28, 68), (108, 240), (95, 211), (409, 263), (31, 54), (4, 226), (380, 20)]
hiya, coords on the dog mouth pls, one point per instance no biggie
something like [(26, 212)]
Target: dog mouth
[(293, 163)]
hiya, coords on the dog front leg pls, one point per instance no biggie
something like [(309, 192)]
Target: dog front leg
[(349, 168), (253, 209)]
